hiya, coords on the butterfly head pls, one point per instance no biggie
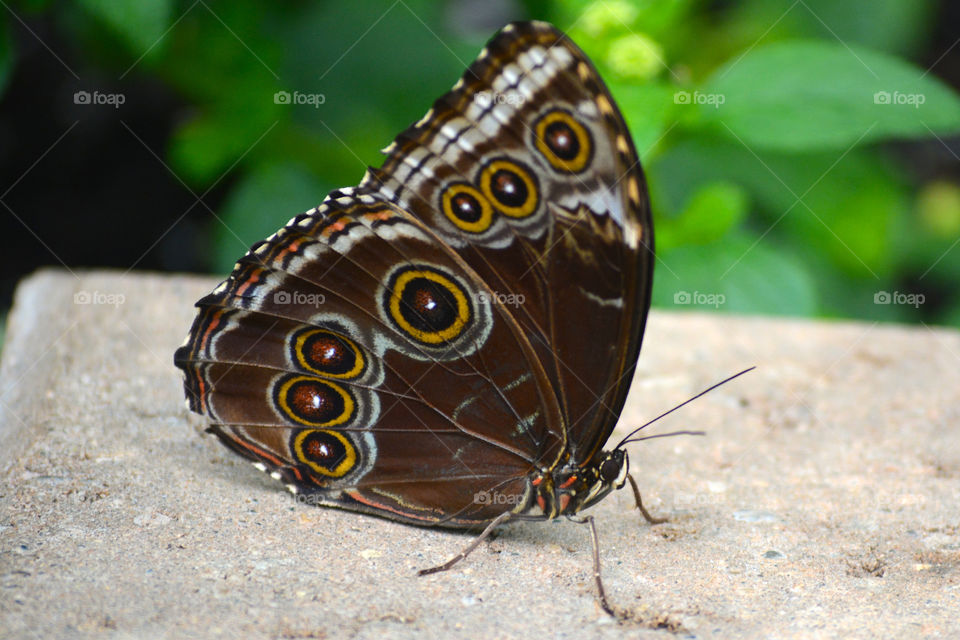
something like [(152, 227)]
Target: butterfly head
[(613, 468), (607, 473)]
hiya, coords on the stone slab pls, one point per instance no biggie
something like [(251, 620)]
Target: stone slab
[(823, 502)]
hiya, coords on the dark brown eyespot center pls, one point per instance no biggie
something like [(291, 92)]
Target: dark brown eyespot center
[(562, 140), (315, 401), (509, 188), (467, 208), (328, 353), (428, 305), (324, 449)]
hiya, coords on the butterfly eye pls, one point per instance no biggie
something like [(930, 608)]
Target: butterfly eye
[(427, 305), (466, 207), (610, 469), (511, 186), (328, 354), (327, 452), (564, 142), (313, 402)]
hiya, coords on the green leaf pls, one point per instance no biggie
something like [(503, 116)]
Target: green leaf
[(141, 23), (648, 110), (599, 19), (261, 203), (898, 27), (203, 148), (800, 95), (636, 56), (712, 212), (236, 128), (844, 208), (938, 209), (734, 276), (895, 26)]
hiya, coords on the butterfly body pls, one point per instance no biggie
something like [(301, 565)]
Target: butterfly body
[(568, 490), (450, 343)]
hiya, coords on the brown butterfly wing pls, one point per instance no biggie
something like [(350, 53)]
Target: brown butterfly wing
[(360, 361), (527, 170)]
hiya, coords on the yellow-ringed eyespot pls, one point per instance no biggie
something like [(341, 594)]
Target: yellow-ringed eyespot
[(327, 353), (329, 453), (511, 186), (426, 304), (314, 402), (564, 142), (466, 207)]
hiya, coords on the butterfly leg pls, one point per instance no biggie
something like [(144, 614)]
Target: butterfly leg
[(601, 594), (500, 519), (636, 496)]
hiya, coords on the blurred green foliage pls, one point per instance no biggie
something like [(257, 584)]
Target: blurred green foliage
[(6, 53), (766, 127)]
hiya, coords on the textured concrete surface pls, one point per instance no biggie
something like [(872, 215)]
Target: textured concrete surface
[(824, 500)]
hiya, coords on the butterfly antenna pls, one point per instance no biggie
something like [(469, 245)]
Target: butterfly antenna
[(628, 440)]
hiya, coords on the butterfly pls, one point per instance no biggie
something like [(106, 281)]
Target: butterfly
[(451, 342)]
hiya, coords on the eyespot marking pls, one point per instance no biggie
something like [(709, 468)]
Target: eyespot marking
[(563, 141), (427, 304), (511, 187), (329, 453), (313, 402), (466, 207), (328, 354)]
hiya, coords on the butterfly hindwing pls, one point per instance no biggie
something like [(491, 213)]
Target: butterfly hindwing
[(526, 169), (353, 355)]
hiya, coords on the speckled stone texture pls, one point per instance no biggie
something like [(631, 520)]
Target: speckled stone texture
[(823, 502)]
